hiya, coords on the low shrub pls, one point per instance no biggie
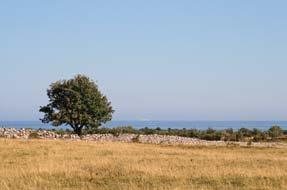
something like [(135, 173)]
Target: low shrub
[(136, 139), (34, 135), (275, 133), (60, 132)]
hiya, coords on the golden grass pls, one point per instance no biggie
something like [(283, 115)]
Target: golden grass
[(48, 164)]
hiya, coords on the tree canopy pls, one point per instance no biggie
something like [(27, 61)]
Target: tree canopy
[(78, 103)]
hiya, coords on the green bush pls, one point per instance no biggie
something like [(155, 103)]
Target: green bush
[(211, 135), (60, 132), (228, 135), (147, 131), (136, 139), (34, 135), (259, 136), (123, 130), (275, 131), (243, 134)]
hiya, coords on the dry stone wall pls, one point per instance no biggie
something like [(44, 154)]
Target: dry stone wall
[(128, 138)]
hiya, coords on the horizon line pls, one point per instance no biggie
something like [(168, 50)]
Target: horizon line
[(176, 120)]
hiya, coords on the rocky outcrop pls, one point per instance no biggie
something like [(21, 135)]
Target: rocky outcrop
[(128, 138)]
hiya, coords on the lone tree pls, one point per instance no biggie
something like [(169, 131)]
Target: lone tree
[(76, 102)]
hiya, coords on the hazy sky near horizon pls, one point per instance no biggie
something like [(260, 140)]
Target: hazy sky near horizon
[(157, 60)]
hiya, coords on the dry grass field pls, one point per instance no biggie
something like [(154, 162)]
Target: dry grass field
[(48, 164)]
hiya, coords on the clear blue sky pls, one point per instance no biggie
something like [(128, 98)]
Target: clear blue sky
[(162, 60)]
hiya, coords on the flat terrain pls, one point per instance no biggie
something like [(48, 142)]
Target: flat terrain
[(59, 164)]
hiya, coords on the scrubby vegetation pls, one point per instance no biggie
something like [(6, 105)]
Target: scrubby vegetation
[(275, 133), (34, 135)]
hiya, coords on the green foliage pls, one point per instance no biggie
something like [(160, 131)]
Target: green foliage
[(242, 134), (147, 131), (34, 135), (228, 135), (136, 139), (259, 135), (275, 132), (210, 134), (115, 131), (78, 103), (60, 132), (123, 130)]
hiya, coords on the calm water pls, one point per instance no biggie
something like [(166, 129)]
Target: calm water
[(263, 125)]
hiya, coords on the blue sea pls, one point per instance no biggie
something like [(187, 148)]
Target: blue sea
[(263, 125)]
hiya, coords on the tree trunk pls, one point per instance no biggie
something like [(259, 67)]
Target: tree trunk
[(78, 131)]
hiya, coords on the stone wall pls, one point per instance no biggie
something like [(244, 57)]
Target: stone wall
[(147, 139)]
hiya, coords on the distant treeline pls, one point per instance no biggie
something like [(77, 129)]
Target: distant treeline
[(273, 134)]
